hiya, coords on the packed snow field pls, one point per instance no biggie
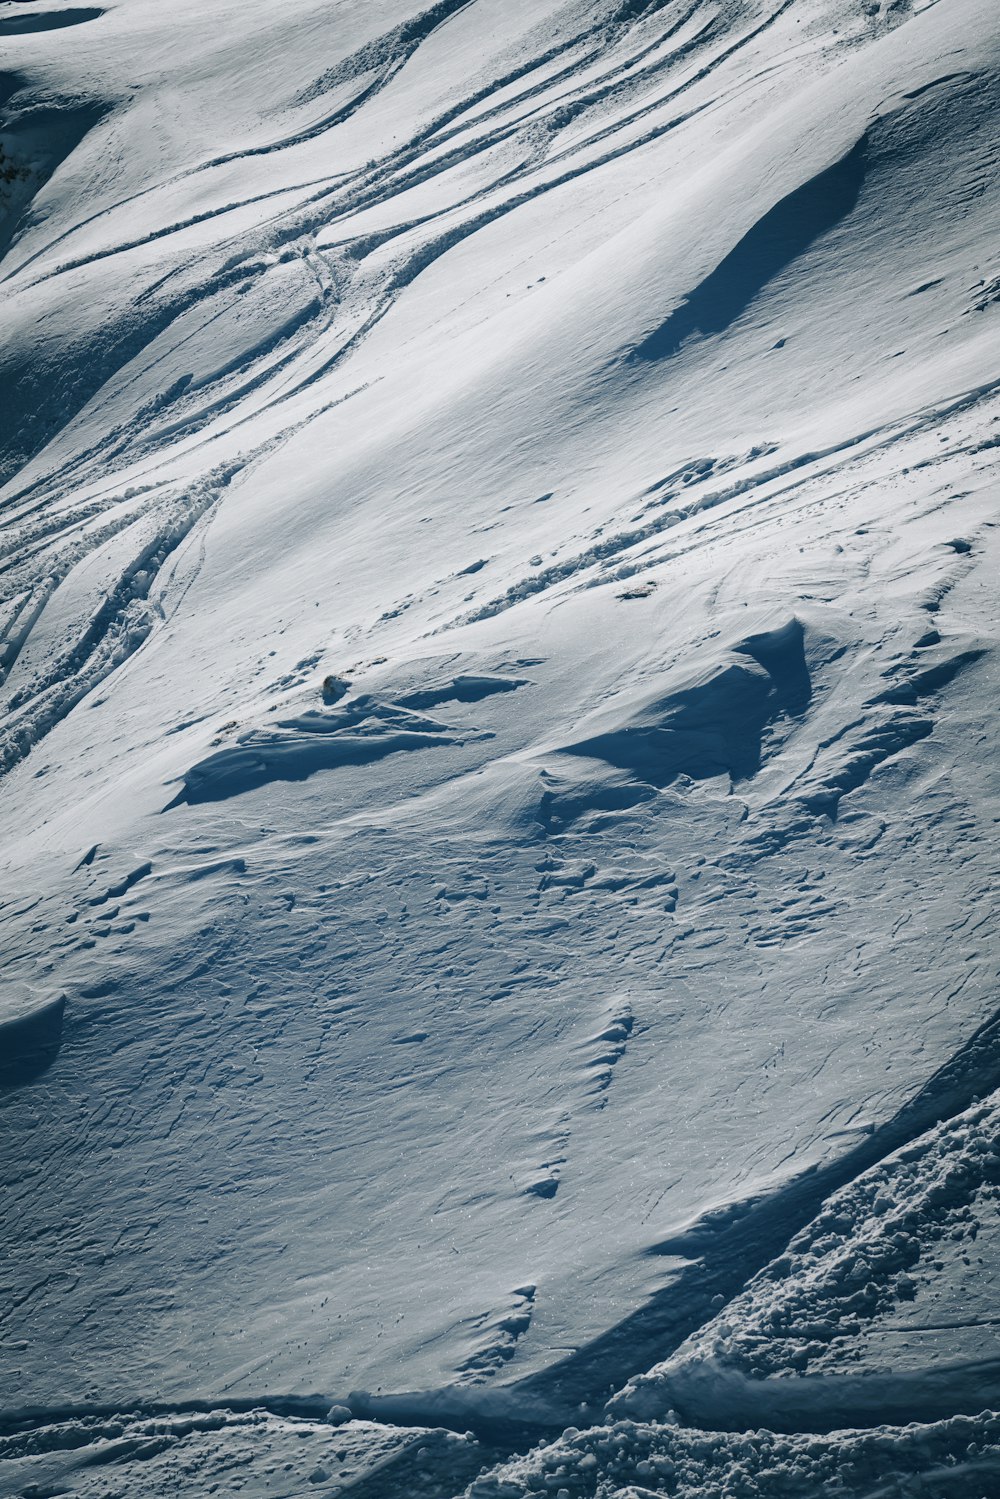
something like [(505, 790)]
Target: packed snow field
[(498, 663)]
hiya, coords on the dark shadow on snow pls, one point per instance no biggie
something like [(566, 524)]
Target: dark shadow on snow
[(782, 654), (248, 767), (716, 725), (34, 142), (47, 20), (784, 233), (30, 1043)]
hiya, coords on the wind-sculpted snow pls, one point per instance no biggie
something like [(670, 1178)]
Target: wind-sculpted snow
[(498, 648), (715, 725), (313, 744)]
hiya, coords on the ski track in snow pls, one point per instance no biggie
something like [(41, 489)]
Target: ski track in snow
[(498, 545)]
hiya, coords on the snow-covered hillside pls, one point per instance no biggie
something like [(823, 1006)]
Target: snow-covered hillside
[(498, 624)]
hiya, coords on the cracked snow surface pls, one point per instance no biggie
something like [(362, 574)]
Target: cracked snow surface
[(498, 671)]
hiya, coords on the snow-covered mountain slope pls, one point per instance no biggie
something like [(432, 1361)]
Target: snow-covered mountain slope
[(498, 630)]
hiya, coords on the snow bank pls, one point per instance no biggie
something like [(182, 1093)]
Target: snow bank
[(628, 1460)]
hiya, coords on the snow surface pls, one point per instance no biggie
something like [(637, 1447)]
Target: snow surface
[(498, 645)]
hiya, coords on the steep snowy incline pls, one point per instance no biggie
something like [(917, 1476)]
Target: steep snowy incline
[(498, 646)]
